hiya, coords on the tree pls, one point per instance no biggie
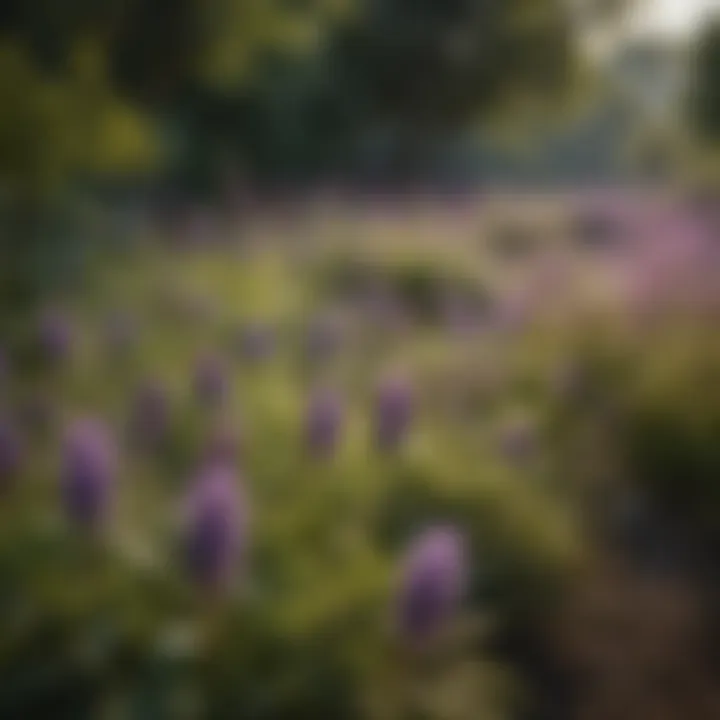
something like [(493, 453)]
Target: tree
[(704, 98), (88, 90)]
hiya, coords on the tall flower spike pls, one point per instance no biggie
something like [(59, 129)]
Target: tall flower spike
[(323, 339), (223, 443), (89, 471), (433, 581), (256, 342), (150, 415), (55, 335), (215, 530), (324, 422), (211, 380), (393, 412)]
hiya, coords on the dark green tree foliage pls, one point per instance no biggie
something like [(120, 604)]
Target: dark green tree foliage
[(705, 88), (439, 62), (390, 85), (91, 90), (306, 87)]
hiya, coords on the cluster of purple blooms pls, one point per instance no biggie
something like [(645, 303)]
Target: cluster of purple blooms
[(216, 529), (394, 407), (215, 537), (150, 420), (255, 342), (518, 439), (215, 534), (211, 380), (324, 422), (89, 473), (434, 578)]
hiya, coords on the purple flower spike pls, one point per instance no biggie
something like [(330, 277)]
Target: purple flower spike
[(211, 380), (518, 440), (215, 531), (11, 452), (223, 444), (55, 335), (433, 581), (393, 412), (324, 423), (88, 473), (257, 342), (324, 337), (150, 419)]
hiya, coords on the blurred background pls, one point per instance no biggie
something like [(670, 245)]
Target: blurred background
[(359, 359)]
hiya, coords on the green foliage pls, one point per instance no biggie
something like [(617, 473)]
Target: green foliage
[(54, 129), (308, 630), (704, 98)]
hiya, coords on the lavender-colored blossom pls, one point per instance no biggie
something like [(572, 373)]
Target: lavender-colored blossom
[(434, 576), (324, 336), (513, 313), (215, 533), (55, 335), (394, 407), (150, 418), (11, 452), (324, 422), (599, 225), (518, 439), (88, 475), (256, 342), (384, 312), (211, 380), (462, 316)]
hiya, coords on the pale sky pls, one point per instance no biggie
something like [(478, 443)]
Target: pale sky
[(671, 17)]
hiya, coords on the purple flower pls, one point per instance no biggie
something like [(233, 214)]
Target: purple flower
[(323, 337), (513, 313), (256, 342), (150, 415), (385, 312), (4, 365), (518, 440), (599, 225), (215, 534), (11, 452), (433, 581), (89, 471), (55, 335), (393, 412), (324, 422), (211, 380)]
